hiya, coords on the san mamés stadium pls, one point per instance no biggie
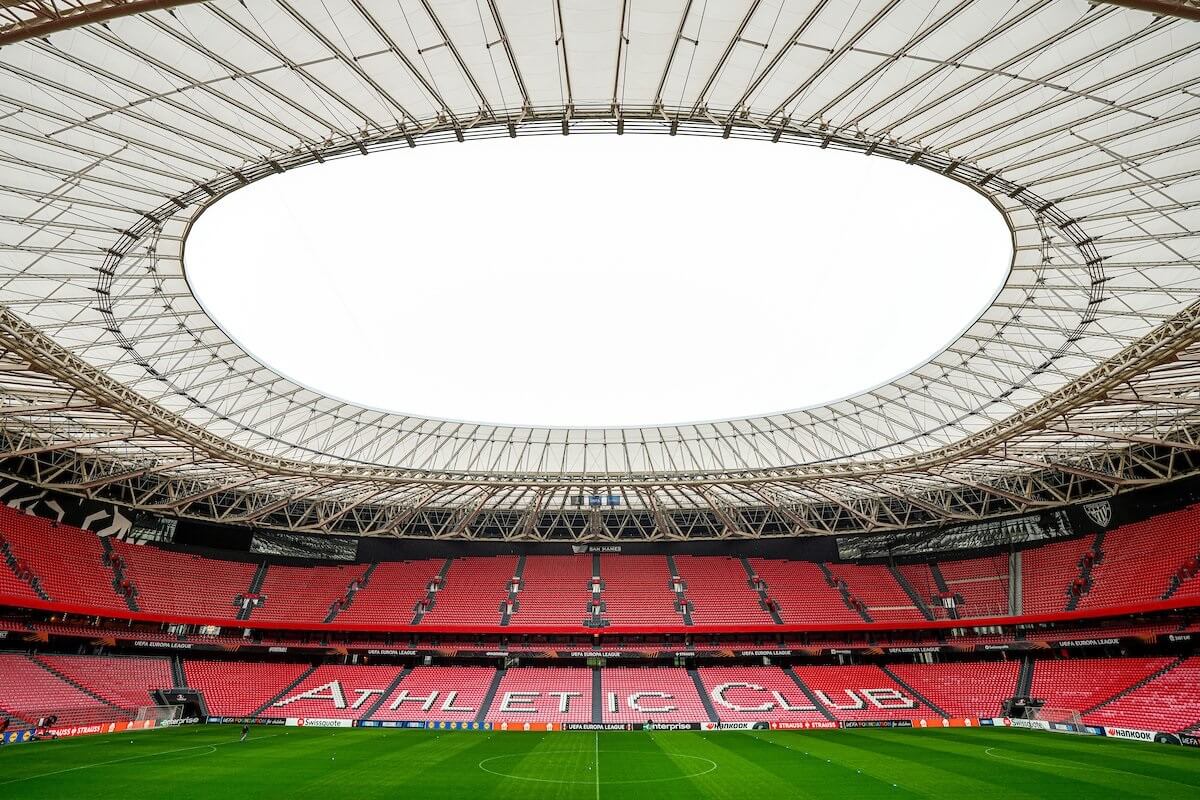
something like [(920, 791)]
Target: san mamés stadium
[(978, 577)]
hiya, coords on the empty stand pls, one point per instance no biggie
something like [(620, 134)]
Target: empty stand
[(304, 594), (1083, 683), (1046, 575), (182, 584), (1139, 560), (451, 694), (543, 694), (29, 691), (637, 590), (235, 688), (392, 594), (860, 692), (771, 696), (1167, 702), (474, 591), (962, 689), (335, 691), (124, 681), (876, 587), (661, 694), (718, 589), (68, 562), (981, 584), (803, 594), (555, 590)]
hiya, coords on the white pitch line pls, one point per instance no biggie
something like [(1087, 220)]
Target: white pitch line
[(212, 747), (597, 735)]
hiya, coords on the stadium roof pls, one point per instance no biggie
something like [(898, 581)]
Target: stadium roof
[(121, 122)]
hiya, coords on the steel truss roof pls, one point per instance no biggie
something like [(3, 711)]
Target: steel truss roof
[(121, 122)]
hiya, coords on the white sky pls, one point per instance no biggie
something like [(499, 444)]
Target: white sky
[(597, 280)]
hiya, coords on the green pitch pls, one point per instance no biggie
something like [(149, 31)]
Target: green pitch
[(208, 763)]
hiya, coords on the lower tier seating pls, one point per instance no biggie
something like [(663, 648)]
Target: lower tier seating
[(1168, 702), (962, 689), (1146, 693), (659, 694), (123, 681), (750, 694), (544, 694), (236, 688)]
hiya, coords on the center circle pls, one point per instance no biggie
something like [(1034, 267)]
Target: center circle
[(700, 766)]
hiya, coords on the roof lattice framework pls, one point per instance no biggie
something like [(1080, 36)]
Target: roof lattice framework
[(121, 122)]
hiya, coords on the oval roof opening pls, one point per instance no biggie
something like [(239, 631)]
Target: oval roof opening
[(593, 281)]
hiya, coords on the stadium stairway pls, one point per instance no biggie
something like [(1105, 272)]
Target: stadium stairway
[(285, 691), (354, 588), (939, 580), (1025, 678), (912, 692), (912, 594), (597, 696), (177, 673), (485, 705), (1085, 573), (761, 587), (255, 587), (844, 591), (431, 596), (703, 694), (812, 698), (118, 573), (1134, 687), (70, 682), (379, 701), (514, 591), (681, 601)]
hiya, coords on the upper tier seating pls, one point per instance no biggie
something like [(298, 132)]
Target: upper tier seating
[(1170, 702), (541, 694), (963, 690), (392, 594), (803, 593), (1137, 563), (184, 585), (1046, 573), (555, 590), (1081, 683), (1140, 558), (123, 681), (304, 594), (772, 696), (450, 694), (982, 583), (474, 591), (661, 694), (71, 570), (10, 584), (637, 590), (860, 692), (237, 689), (876, 587), (718, 589), (337, 691)]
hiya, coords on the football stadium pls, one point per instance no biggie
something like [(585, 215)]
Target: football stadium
[(334, 463)]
